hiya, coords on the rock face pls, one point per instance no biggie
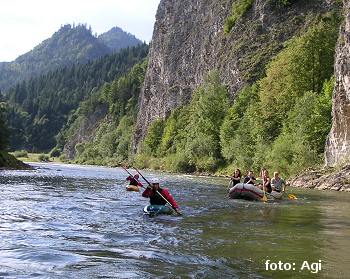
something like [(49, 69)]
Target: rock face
[(338, 142), (189, 41)]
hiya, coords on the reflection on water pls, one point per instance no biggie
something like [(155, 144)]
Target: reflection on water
[(77, 221)]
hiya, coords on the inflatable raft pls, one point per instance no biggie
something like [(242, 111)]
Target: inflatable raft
[(153, 210), (251, 192)]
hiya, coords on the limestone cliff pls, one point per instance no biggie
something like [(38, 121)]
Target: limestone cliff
[(338, 142), (189, 41)]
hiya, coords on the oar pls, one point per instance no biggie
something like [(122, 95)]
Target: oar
[(178, 213), (290, 196), (264, 198)]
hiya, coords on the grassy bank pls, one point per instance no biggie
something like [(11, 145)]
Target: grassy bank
[(34, 157), (8, 161)]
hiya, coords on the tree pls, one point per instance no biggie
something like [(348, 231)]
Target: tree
[(4, 133), (304, 65), (207, 111)]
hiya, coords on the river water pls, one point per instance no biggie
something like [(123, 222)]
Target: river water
[(69, 221)]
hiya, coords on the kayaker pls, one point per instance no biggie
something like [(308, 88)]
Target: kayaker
[(278, 186), (152, 191), (249, 179), (134, 183)]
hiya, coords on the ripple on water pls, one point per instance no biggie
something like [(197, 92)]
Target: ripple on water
[(79, 222)]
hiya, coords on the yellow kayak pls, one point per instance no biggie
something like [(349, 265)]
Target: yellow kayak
[(132, 188)]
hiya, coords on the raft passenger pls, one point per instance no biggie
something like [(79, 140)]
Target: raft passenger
[(235, 178), (266, 182), (278, 185), (249, 179)]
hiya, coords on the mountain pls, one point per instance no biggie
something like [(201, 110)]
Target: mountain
[(69, 45), (40, 107), (244, 83), (116, 39)]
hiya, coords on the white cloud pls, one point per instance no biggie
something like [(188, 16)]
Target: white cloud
[(24, 24)]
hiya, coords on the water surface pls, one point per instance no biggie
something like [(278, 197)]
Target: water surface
[(69, 221)]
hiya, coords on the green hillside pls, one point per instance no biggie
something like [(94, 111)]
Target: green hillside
[(40, 107)]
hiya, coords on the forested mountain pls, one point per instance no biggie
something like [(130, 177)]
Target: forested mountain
[(100, 131), (69, 45), (117, 39), (39, 107)]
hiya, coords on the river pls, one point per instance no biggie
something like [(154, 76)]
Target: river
[(71, 221)]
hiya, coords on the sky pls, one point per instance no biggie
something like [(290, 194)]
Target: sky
[(24, 24)]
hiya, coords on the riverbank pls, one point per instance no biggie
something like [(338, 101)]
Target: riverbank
[(8, 161), (336, 179)]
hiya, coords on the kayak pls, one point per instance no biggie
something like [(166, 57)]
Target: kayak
[(153, 209), (132, 188), (250, 192)]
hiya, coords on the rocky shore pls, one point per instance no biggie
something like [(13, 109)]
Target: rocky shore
[(337, 179)]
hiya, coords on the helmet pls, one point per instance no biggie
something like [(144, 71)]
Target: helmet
[(155, 180)]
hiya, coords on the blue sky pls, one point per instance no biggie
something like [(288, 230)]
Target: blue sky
[(24, 24)]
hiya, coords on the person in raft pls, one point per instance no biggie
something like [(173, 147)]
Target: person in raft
[(235, 178), (151, 192), (134, 183), (278, 186), (266, 181), (249, 179)]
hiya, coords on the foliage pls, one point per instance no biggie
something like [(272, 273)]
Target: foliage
[(239, 9), (233, 119), (43, 157), (283, 122), (3, 128), (111, 141), (305, 63), (20, 153), (154, 137), (40, 107), (55, 152), (302, 141), (285, 2), (190, 138)]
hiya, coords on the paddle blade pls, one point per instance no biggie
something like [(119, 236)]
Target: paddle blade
[(264, 198), (292, 197)]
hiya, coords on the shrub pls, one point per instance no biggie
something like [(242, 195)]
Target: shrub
[(179, 163), (55, 152), (21, 154), (239, 9), (43, 157), (154, 137)]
